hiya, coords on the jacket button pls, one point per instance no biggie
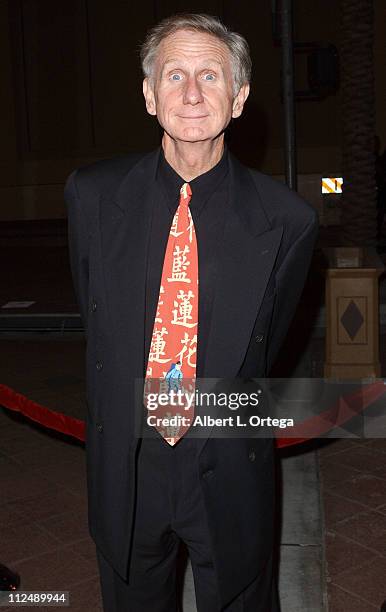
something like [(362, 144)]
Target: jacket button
[(99, 365), (252, 455), (207, 474), (93, 305), (99, 427), (259, 337)]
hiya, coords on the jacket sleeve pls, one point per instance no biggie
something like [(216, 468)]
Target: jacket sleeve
[(78, 246), (290, 279)]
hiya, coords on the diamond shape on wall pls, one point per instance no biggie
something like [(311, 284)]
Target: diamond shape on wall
[(352, 319)]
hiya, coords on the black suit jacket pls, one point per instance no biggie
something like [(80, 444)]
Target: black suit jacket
[(264, 259)]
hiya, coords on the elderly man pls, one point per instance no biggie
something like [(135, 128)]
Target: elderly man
[(183, 255)]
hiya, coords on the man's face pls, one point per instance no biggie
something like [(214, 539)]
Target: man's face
[(192, 88)]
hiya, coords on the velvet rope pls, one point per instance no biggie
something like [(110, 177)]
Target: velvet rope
[(40, 414), (339, 413), (343, 410)]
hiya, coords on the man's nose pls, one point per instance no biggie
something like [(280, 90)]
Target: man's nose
[(192, 92)]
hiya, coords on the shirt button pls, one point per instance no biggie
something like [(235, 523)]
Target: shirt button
[(259, 337), (93, 305), (99, 427), (252, 455), (99, 365)]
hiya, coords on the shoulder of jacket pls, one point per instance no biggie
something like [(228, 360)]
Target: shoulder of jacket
[(104, 175), (93, 181), (282, 203)]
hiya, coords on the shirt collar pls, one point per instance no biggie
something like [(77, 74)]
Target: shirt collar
[(202, 186)]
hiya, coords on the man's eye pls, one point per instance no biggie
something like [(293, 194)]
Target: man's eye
[(209, 76), (176, 77)]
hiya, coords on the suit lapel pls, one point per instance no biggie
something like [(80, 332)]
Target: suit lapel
[(247, 256), (125, 229)]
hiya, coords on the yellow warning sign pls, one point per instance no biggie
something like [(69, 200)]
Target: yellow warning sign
[(332, 185)]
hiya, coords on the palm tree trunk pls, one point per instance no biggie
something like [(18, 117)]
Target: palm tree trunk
[(358, 119)]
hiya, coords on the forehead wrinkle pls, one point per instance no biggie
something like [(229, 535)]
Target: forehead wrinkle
[(214, 49), (205, 62)]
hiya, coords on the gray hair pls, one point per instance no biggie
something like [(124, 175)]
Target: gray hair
[(237, 45)]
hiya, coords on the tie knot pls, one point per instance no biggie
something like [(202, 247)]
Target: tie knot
[(185, 191)]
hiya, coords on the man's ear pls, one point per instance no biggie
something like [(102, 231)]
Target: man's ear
[(149, 96), (238, 102)]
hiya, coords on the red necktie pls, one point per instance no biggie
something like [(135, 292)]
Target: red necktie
[(172, 356)]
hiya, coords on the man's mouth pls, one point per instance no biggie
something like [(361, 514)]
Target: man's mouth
[(192, 116)]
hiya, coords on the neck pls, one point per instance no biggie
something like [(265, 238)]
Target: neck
[(190, 159)]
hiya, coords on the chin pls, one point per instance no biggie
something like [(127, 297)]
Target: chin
[(194, 135)]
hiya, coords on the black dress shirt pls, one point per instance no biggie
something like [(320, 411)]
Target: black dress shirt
[(208, 205)]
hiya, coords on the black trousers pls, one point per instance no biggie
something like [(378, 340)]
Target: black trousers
[(170, 509)]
